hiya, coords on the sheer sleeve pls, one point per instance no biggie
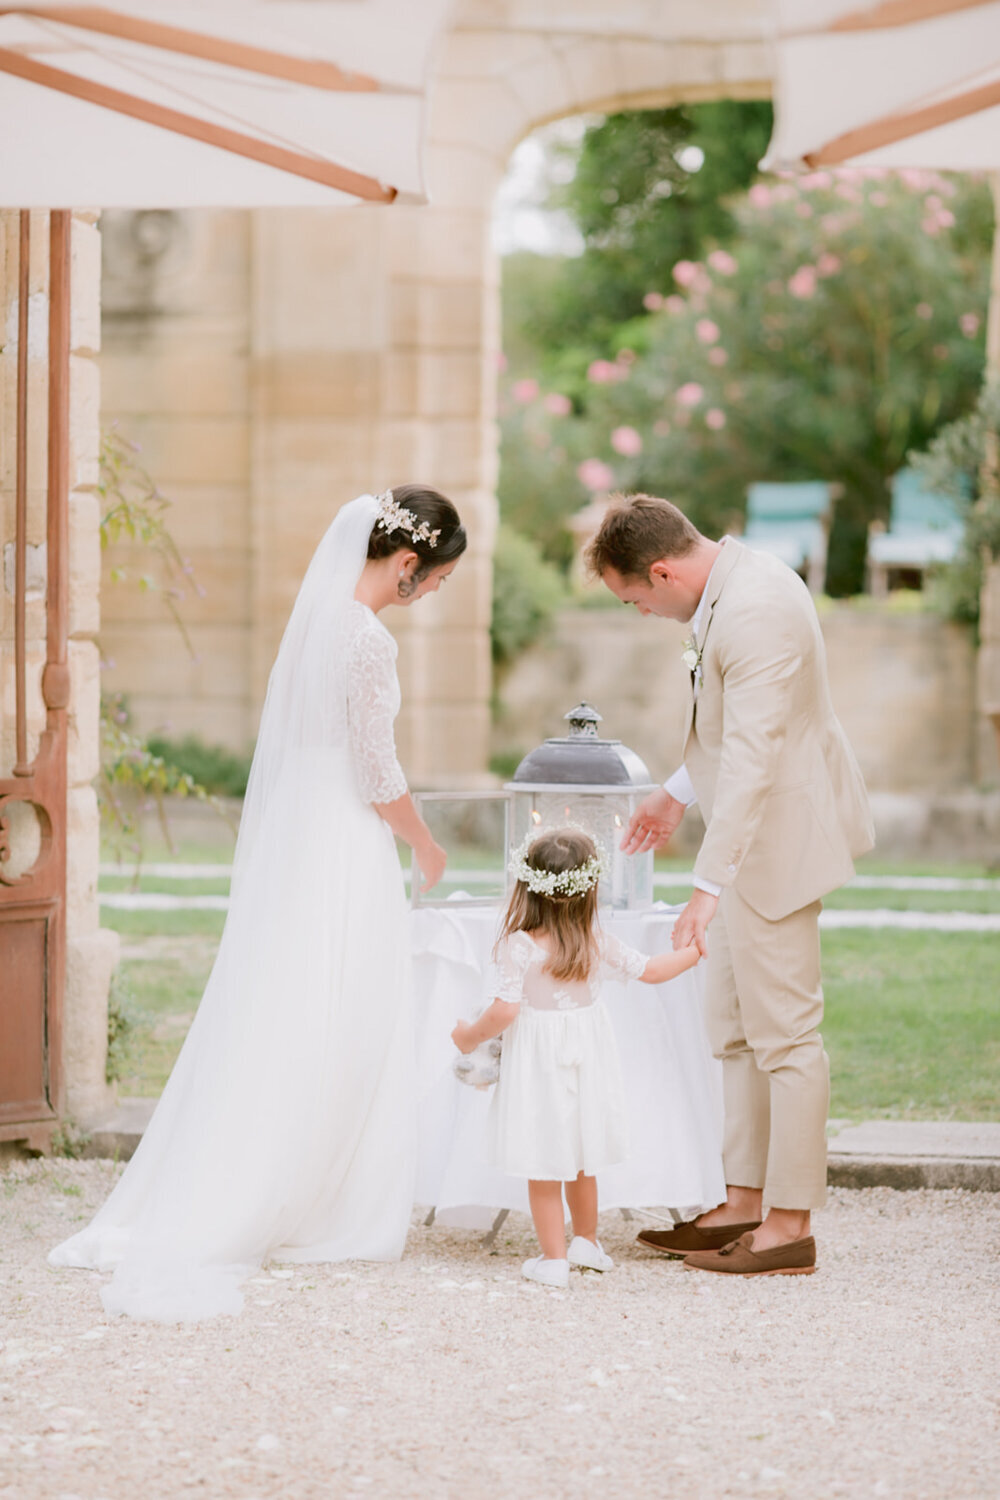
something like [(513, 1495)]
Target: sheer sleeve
[(372, 705), (621, 961), (506, 976)]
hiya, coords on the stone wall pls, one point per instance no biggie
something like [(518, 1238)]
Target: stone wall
[(91, 952), (903, 685)]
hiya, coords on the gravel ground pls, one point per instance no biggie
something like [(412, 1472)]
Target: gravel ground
[(448, 1376)]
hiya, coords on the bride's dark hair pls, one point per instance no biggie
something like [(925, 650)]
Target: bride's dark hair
[(425, 505)]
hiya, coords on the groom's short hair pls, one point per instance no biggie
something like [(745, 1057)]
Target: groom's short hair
[(636, 532)]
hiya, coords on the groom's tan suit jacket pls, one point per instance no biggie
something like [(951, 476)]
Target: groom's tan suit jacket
[(784, 803)]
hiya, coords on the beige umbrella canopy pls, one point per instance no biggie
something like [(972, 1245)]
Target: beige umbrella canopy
[(250, 104), (890, 83)]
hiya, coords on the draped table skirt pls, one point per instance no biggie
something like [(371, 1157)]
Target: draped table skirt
[(673, 1085)]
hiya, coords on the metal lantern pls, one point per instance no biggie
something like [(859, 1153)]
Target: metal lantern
[(597, 783)]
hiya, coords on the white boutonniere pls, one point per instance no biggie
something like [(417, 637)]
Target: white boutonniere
[(690, 655)]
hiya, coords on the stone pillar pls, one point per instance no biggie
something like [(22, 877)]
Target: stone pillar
[(374, 357), (91, 953)]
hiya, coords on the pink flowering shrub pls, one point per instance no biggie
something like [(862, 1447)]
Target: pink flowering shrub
[(843, 328)]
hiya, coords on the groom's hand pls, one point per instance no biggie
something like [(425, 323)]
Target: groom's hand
[(653, 822), (689, 929)]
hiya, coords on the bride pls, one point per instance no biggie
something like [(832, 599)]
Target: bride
[(287, 1128)]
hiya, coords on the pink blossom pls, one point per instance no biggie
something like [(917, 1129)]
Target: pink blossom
[(707, 331), (653, 301), (803, 282), (723, 262), (718, 356), (924, 310), (934, 203), (524, 390), (715, 418), (594, 474), (828, 265), (815, 180), (675, 304), (804, 210), (930, 226), (969, 324), (945, 218), (603, 372), (878, 200), (848, 193), (689, 394), (626, 440), (760, 195), (557, 404), (783, 193), (687, 273)]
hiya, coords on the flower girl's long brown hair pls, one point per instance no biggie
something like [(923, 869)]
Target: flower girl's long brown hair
[(570, 921)]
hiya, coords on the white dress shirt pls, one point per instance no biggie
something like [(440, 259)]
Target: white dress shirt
[(679, 785)]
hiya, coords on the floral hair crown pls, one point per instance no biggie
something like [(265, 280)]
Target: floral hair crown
[(392, 517), (574, 882)]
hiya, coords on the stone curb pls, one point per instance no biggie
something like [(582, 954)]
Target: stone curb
[(119, 1137), (975, 1174)]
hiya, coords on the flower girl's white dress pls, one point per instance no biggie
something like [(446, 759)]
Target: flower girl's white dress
[(559, 1104), (286, 1128)]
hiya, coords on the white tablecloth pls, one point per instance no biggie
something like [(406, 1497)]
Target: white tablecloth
[(672, 1082)]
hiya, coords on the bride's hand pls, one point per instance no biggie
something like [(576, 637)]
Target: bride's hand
[(432, 860)]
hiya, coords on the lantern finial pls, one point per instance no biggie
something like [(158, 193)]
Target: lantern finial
[(583, 721)]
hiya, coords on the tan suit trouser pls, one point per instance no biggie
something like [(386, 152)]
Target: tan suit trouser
[(764, 1003)]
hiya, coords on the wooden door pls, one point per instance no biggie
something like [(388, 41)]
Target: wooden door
[(33, 899)]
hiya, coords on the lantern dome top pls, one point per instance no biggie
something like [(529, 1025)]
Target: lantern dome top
[(582, 759)]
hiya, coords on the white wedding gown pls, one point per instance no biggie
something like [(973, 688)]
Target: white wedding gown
[(287, 1128)]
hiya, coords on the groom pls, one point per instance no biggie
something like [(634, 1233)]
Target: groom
[(786, 811)]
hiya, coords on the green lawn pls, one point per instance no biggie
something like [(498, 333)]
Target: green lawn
[(913, 1024), (912, 1018)]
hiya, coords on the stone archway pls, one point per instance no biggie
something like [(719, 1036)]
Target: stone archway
[(274, 364)]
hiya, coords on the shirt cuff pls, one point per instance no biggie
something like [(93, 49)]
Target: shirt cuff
[(707, 885), (680, 786)]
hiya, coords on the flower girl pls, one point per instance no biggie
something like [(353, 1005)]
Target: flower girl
[(558, 1114)]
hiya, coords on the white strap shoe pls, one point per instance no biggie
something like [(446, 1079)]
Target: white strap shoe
[(546, 1272), (589, 1255)]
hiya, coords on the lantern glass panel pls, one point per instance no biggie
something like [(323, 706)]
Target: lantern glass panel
[(473, 828)]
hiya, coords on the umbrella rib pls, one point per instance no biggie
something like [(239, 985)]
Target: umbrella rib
[(892, 128), (329, 174), (232, 54), (258, 131), (901, 13)]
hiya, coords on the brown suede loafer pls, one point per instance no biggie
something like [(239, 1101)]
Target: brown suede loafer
[(685, 1238), (740, 1259)]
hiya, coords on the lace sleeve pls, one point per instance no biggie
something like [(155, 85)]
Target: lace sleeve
[(372, 705), (506, 976), (621, 961)]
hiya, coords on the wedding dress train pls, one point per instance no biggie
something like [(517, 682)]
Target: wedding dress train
[(287, 1128)]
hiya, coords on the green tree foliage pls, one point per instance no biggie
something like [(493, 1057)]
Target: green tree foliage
[(639, 206), (839, 329), (963, 462), (527, 591)]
